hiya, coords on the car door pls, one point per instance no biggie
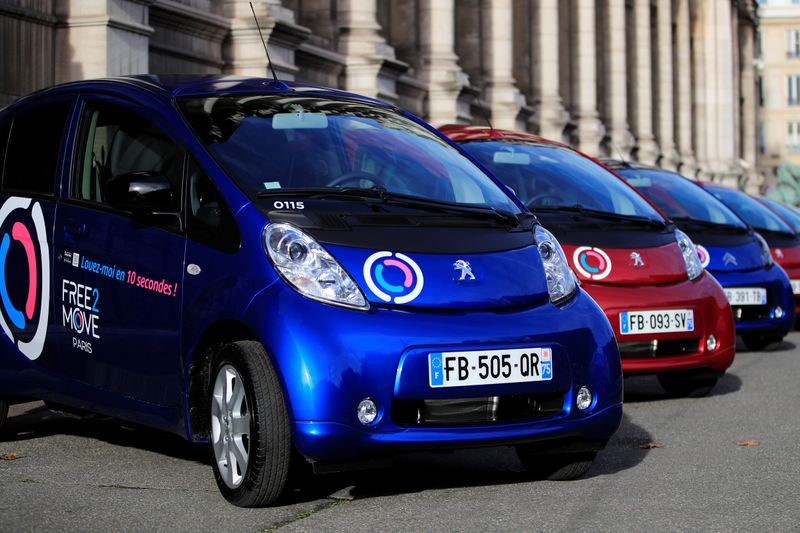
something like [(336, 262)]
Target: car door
[(119, 275)]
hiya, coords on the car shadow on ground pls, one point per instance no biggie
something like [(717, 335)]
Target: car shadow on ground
[(783, 346), (408, 473), (647, 388), (34, 420)]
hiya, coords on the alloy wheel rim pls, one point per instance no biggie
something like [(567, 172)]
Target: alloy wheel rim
[(230, 426)]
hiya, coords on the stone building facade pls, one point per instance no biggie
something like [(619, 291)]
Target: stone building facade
[(778, 66), (667, 82)]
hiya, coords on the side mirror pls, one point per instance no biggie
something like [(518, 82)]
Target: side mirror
[(141, 192)]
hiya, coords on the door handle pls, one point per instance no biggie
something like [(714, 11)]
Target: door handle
[(75, 229)]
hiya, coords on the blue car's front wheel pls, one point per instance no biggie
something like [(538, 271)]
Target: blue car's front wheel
[(249, 440)]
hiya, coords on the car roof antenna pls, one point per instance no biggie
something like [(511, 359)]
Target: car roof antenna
[(621, 157), (269, 61)]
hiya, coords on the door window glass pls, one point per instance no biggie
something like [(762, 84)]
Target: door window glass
[(118, 141), (208, 220), (33, 149)]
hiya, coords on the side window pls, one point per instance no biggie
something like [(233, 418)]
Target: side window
[(4, 129), (33, 149), (208, 219), (116, 141)]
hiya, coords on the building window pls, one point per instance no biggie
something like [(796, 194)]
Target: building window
[(793, 138), (792, 43), (793, 89)]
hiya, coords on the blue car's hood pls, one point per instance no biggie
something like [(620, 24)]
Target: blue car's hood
[(739, 258), (446, 281)]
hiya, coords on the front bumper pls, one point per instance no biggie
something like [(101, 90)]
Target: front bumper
[(329, 359), (657, 352), (762, 319), (793, 273)]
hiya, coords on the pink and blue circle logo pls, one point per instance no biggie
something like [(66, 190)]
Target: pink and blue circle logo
[(20, 319), (591, 263), (393, 277), (702, 253)]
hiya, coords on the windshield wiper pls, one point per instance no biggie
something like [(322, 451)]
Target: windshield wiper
[(402, 200), (598, 213), (708, 224)]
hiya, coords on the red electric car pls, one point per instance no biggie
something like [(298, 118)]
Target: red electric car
[(670, 317)]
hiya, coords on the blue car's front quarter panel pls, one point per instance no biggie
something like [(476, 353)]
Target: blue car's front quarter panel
[(330, 358)]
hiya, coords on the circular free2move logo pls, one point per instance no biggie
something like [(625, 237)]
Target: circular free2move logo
[(393, 277), (25, 307), (591, 263)]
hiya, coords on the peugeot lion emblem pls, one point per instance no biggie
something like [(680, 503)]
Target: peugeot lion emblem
[(779, 253), (729, 259), (636, 257), (465, 269)]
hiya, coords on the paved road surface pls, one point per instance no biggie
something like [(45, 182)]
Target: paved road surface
[(97, 476)]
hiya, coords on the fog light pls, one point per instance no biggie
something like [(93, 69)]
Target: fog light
[(367, 411), (711, 343), (584, 398), (779, 312)]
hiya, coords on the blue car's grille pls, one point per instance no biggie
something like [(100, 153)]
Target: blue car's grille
[(469, 411), (750, 313)]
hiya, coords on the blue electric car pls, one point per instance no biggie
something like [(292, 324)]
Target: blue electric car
[(278, 268), (739, 258)]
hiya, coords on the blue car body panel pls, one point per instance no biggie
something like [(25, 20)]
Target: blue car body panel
[(144, 319)]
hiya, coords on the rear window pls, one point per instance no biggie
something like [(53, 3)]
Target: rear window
[(33, 149)]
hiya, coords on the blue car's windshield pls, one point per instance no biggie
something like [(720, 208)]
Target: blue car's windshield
[(294, 141), (750, 210), (787, 213), (679, 198), (546, 177)]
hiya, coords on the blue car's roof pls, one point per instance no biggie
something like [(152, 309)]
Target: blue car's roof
[(174, 85)]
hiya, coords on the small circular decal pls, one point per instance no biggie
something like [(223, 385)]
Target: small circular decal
[(393, 277), (26, 231), (591, 263), (703, 254)]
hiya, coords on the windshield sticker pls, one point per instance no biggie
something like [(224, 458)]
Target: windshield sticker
[(702, 253), (121, 275), (30, 236), (393, 277), (591, 263)]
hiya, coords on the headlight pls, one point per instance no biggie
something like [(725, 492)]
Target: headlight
[(309, 269), (693, 265), (560, 279), (766, 257)]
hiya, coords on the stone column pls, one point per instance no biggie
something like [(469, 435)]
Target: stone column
[(749, 105), (370, 65), (646, 150), (99, 39), (540, 25), (683, 85), (665, 108), (727, 107), (588, 128), (439, 70), (500, 92), (701, 79), (244, 50), (615, 79)]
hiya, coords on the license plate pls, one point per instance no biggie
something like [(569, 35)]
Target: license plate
[(491, 367), (747, 296), (796, 286), (660, 321)]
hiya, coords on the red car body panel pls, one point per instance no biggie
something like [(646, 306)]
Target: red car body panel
[(619, 282)]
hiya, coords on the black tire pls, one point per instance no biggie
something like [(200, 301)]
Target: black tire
[(555, 467), (683, 385), (756, 343), (268, 442)]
